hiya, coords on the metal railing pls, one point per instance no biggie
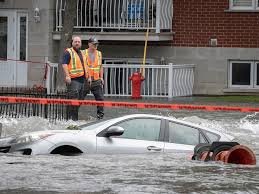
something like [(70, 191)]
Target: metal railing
[(124, 15), (18, 110), (160, 80)]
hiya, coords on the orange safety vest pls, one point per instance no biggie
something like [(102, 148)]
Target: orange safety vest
[(75, 67), (94, 67)]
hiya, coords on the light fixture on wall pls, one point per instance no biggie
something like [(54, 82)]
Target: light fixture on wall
[(213, 42), (36, 15)]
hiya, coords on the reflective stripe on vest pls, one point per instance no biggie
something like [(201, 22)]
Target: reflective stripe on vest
[(94, 66), (75, 66)]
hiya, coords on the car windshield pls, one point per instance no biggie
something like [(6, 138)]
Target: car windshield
[(94, 124)]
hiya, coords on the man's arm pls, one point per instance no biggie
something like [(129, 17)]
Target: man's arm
[(66, 60)]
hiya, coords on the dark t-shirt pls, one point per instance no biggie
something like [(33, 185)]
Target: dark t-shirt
[(67, 58)]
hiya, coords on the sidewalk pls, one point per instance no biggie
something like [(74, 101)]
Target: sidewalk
[(87, 112)]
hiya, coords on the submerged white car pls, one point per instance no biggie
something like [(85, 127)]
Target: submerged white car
[(137, 133)]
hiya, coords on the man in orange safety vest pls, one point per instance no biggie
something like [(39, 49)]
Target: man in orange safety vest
[(76, 75), (93, 59)]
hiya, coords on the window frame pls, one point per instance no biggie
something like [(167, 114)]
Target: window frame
[(161, 132), (230, 75), (201, 132), (257, 5), (253, 7)]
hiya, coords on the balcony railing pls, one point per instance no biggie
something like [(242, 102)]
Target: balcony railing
[(160, 80), (119, 15)]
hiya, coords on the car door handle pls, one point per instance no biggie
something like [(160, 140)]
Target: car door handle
[(154, 148)]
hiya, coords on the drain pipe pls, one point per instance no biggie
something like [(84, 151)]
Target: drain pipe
[(226, 152)]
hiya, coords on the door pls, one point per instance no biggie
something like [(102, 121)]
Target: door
[(141, 135), (13, 48), (7, 48)]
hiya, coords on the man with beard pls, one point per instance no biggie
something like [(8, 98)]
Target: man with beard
[(76, 75)]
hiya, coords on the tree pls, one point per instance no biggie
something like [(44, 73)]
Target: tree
[(69, 17)]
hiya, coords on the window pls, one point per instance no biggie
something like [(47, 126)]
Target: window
[(141, 129), (243, 4), (3, 37), (243, 74), (212, 136), (23, 42), (182, 134), (257, 74)]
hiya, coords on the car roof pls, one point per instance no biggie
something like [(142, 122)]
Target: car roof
[(118, 119)]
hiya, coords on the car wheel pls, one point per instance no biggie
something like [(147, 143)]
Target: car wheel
[(67, 150)]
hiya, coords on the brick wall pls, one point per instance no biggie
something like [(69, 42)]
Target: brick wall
[(196, 21)]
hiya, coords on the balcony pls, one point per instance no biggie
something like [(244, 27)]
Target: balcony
[(125, 20)]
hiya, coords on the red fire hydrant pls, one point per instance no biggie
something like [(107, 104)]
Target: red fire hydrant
[(136, 79)]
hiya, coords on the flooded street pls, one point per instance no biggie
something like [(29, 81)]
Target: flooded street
[(150, 173)]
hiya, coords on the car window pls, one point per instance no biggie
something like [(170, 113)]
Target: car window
[(182, 134), (212, 136), (141, 129)]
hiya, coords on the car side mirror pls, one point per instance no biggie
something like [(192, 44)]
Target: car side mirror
[(114, 131)]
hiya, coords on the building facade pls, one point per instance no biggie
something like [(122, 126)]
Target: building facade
[(26, 35), (221, 37)]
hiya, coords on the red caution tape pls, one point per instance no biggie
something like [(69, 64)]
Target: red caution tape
[(7, 99)]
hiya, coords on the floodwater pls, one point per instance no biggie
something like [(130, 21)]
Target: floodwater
[(150, 173)]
